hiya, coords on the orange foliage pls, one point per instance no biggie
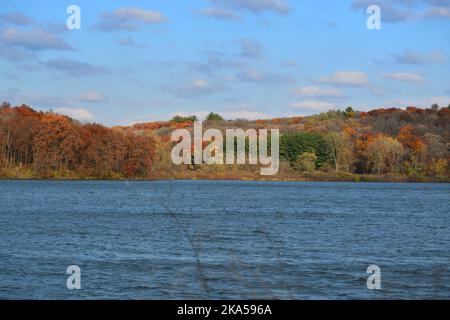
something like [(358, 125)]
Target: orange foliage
[(365, 139), (409, 140), (414, 110), (49, 142), (378, 112), (276, 120), (362, 114), (295, 120), (261, 122), (349, 131), (181, 125)]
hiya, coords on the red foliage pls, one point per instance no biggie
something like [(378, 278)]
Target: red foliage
[(349, 131), (149, 125), (409, 140), (378, 112), (52, 142), (365, 139), (415, 110), (181, 125), (295, 120)]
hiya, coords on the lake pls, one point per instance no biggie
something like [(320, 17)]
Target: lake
[(223, 239)]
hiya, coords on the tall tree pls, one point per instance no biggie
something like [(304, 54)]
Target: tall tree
[(336, 143), (384, 154)]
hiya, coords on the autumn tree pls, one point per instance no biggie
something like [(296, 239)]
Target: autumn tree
[(214, 117), (16, 129), (306, 162), (414, 142), (349, 112), (439, 168), (435, 146), (139, 156), (384, 154), (415, 146), (337, 148), (55, 144), (178, 119)]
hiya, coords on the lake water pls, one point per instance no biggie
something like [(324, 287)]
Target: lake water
[(223, 239)]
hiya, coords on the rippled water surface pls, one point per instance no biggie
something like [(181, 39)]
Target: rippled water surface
[(231, 240)]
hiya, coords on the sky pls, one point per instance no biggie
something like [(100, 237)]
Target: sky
[(138, 61)]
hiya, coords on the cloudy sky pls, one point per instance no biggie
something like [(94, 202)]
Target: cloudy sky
[(135, 61)]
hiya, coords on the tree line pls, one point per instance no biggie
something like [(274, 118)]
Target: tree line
[(46, 144), (413, 143)]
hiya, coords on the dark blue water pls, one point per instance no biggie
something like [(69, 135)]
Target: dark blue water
[(231, 240)]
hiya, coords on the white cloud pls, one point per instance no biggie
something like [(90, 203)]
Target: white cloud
[(256, 6), (412, 57), (129, 42), (347, 78), (194, 88), (318, 92), (250, 48), (128, 19), (92, 97), (256, 76), (13, 53), (17, 18), (394, 11), (391, 11), (74, 68), (199, 83), (33, 40), (146, 16), (313, 105), (220, 13), (404, 76), (438, 12), (79, 114)]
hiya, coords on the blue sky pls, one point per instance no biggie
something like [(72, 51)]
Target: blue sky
[(137, 61)]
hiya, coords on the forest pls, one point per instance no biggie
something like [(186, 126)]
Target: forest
[(48, 145), (389, 144)]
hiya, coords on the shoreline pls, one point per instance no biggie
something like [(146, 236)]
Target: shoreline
[(205, 179)]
